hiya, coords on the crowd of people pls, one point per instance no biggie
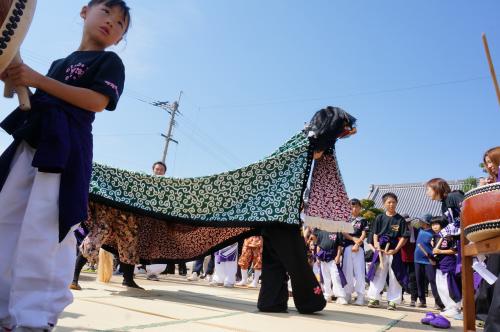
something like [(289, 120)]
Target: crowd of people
[(394, 253), (44, 196)]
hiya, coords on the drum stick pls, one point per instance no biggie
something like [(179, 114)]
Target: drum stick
[(492, 69), (22, 91), (421, 247), (439, 243), (381, 256)]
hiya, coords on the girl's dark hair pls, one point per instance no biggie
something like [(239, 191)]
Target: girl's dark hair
[(440, 187), (438, 220), (389, 195), (112, 3)]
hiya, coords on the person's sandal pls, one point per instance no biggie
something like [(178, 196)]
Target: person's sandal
[(373, 304)]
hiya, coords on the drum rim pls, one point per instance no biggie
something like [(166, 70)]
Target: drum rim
[(12, 44), (482, 189), (490, 224)]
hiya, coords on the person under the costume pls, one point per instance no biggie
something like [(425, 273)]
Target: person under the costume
[(353, 264), (251, 255), (447, 283), (108, 226), (45, 173), (389, 236), (284, 253)]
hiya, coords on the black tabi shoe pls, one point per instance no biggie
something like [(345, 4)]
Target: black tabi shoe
[(131, 284)]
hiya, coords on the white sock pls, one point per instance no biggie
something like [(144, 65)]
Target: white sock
[(256, 276), (244, 276)]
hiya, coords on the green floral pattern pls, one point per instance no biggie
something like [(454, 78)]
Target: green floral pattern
[(268, 191)]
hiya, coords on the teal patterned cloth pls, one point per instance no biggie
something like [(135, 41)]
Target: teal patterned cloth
[(266, 192)]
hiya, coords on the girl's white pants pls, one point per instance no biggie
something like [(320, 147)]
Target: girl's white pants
[(377, 285), (35, 269), (354, 271), (331, 280), (444, 293)]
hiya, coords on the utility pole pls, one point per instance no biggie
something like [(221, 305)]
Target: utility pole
[(173, 109)]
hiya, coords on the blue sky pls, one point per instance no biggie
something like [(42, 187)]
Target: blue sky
[(414, 73)]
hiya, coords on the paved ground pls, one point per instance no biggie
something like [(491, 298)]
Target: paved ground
[(174, 304)]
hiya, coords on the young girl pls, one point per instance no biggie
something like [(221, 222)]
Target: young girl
[(445, 249), (45, 173)]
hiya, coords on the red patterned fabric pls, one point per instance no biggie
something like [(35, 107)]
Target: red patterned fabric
[(328, 198)]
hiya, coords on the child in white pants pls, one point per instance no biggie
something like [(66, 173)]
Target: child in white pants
[(45, 173), (354, 255), (32, 279), (445, 250), (226, 265), (329, 251), (389, 236)]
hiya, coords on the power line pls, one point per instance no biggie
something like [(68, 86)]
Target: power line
[(354, 94)]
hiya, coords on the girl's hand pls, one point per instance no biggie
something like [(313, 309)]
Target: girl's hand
[(436, 251), (355, 248), (22, 75), (337, 260), (391, 252)]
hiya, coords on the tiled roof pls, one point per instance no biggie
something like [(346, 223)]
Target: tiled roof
[(411, 197)]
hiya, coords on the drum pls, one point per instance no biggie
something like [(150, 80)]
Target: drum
[(15, 19), (481, 213)]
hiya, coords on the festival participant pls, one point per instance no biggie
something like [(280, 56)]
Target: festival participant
[(45, 173), (354, 255), (425, 263), (251, 254), (153, 270), (284, 254), (438, 189), (445, 249), (488, 297), (329, 253), (390, 235), (226, 264), (407, 252), (122, 231)]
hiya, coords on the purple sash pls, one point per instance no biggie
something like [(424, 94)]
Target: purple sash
[(325, 255), (396, 265), (448, 265), (343, 280), (228, 254)]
